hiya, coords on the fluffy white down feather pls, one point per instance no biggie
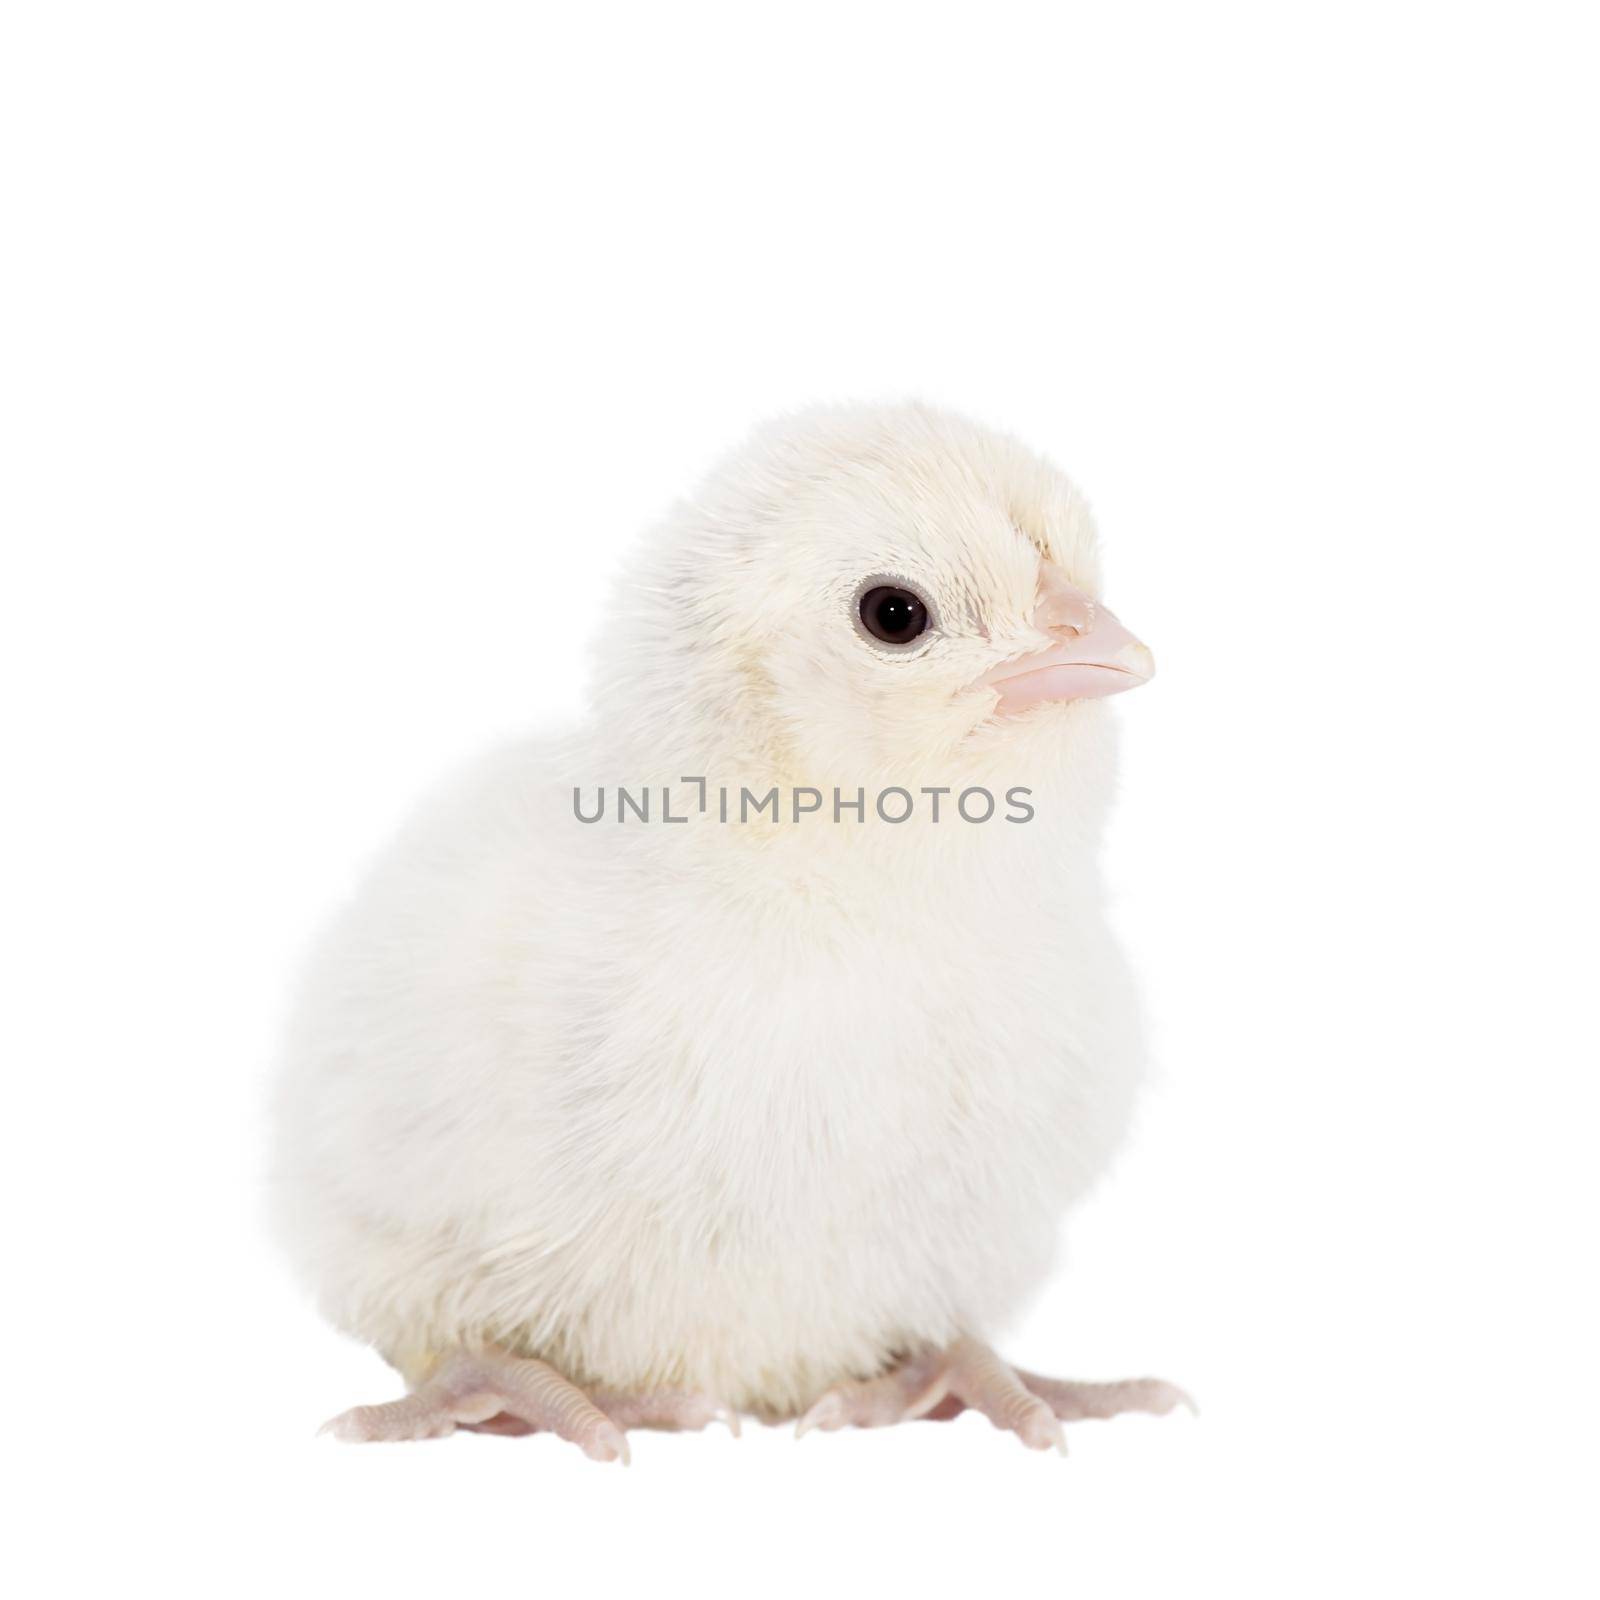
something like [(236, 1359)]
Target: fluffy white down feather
[(749, 1108)]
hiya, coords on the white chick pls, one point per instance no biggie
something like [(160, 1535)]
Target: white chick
[(634, 1122)]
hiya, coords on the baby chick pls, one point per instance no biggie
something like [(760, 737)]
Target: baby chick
[(628, 1095)]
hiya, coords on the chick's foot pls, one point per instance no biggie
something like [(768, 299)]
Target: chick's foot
[(944, 1383), (492, 1392)]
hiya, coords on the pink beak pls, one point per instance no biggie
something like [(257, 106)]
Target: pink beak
[(1093, 655)]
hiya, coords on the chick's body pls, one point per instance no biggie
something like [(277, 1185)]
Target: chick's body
[(748, 1107)]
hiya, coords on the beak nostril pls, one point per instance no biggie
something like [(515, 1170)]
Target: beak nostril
[(1067, 613)]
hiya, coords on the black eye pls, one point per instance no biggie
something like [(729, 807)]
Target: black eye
[(895, 616)]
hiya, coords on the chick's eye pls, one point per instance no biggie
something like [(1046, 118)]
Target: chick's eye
[(896, 616)]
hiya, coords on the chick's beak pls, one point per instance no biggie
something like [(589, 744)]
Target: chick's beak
[(1093, 653)]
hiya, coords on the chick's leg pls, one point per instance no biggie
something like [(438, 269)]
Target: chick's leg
[(969, 1374), (468, 1389)]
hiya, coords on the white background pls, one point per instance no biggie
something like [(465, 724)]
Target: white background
[(347, 348)]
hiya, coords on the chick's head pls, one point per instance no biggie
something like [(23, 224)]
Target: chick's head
[(869, 590)]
